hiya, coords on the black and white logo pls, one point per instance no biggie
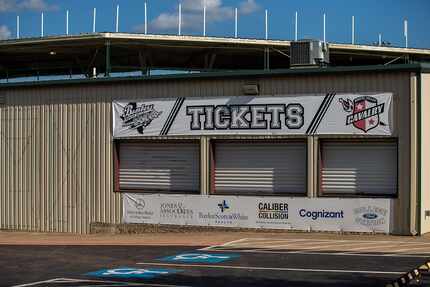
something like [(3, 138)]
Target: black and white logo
[(175, 210), (139, 117), (273, 210), (139, 204)]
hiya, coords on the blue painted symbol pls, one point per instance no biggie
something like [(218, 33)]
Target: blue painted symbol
[(129, 272), (200, 257), (223, 205)]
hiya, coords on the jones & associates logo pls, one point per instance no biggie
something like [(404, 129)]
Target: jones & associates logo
[(175, 210), (138, 117), (223, 217), (371, 215)]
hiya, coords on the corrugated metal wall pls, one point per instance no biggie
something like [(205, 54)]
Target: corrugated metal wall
[(56, 169), (56, 160)]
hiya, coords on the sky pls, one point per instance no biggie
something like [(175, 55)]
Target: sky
[(372, 17)]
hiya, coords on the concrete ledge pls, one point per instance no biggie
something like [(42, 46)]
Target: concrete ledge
[(134, 228)]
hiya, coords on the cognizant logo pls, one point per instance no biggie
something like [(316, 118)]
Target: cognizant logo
[(315, 214)]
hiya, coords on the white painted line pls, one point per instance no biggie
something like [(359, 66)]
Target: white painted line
[(325, 246), (320, 253), (298, 245), (271, 268), (264, 245), (225, 244), (36, 283), (350, 240), (378, 246), (71, 280), (234, 241), (414, 248)]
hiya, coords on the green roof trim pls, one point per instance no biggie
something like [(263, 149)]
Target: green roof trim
[(419, 67)]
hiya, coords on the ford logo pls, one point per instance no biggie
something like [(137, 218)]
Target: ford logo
[(370, 215)]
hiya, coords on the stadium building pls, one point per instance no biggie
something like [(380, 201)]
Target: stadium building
[(179, 130)]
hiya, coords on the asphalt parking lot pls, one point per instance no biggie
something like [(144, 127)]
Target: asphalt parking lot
[(243, 262)]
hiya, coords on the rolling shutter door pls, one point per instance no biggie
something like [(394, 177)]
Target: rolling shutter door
[(260, 168), (165, 167), (359, 168)]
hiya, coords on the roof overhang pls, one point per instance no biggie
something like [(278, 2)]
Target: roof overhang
[(79, 54)]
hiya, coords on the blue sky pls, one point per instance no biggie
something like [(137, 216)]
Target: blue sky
[(371, 16)]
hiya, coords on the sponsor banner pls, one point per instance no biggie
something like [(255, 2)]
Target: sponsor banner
[(325, 214), (369, 114)]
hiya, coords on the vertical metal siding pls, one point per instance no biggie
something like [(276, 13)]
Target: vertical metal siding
[(56, 160), (64, 134)]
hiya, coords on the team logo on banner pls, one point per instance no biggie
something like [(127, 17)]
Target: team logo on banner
[(365, 112), (138, 117)]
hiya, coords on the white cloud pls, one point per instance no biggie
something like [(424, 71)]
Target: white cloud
[(165, 21), (4, 32), (248, 7), (32, 5), (192, 17)]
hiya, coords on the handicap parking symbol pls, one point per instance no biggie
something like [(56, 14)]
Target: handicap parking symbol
[(200, 257), (129, 272)]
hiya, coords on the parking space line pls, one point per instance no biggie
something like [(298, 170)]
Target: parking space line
[(271, 268), (298, 244), (343, 253), (414, 248), (263, 245), (225, 244), (36, 283), (325, 246), (337, 240), (376, 246), (121, 283)]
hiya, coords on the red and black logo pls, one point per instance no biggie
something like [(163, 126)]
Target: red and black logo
[(365, 112)]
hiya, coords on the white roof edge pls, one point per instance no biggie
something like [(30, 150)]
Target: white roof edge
[(209, 40)]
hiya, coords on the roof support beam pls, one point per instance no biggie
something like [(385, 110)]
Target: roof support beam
[(267, 58), (107, 60), (143, 60), (209, 61)]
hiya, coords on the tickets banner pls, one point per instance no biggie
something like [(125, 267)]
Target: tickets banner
[(364, 114)]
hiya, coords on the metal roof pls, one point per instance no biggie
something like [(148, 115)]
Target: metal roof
[(125, 52), (248, 74)]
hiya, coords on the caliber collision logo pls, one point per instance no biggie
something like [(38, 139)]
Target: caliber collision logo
[(272, 210), (365, 112), (138, 117)]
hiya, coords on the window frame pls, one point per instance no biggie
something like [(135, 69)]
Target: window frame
[(117, 161), (212, 166), (364, 141)]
